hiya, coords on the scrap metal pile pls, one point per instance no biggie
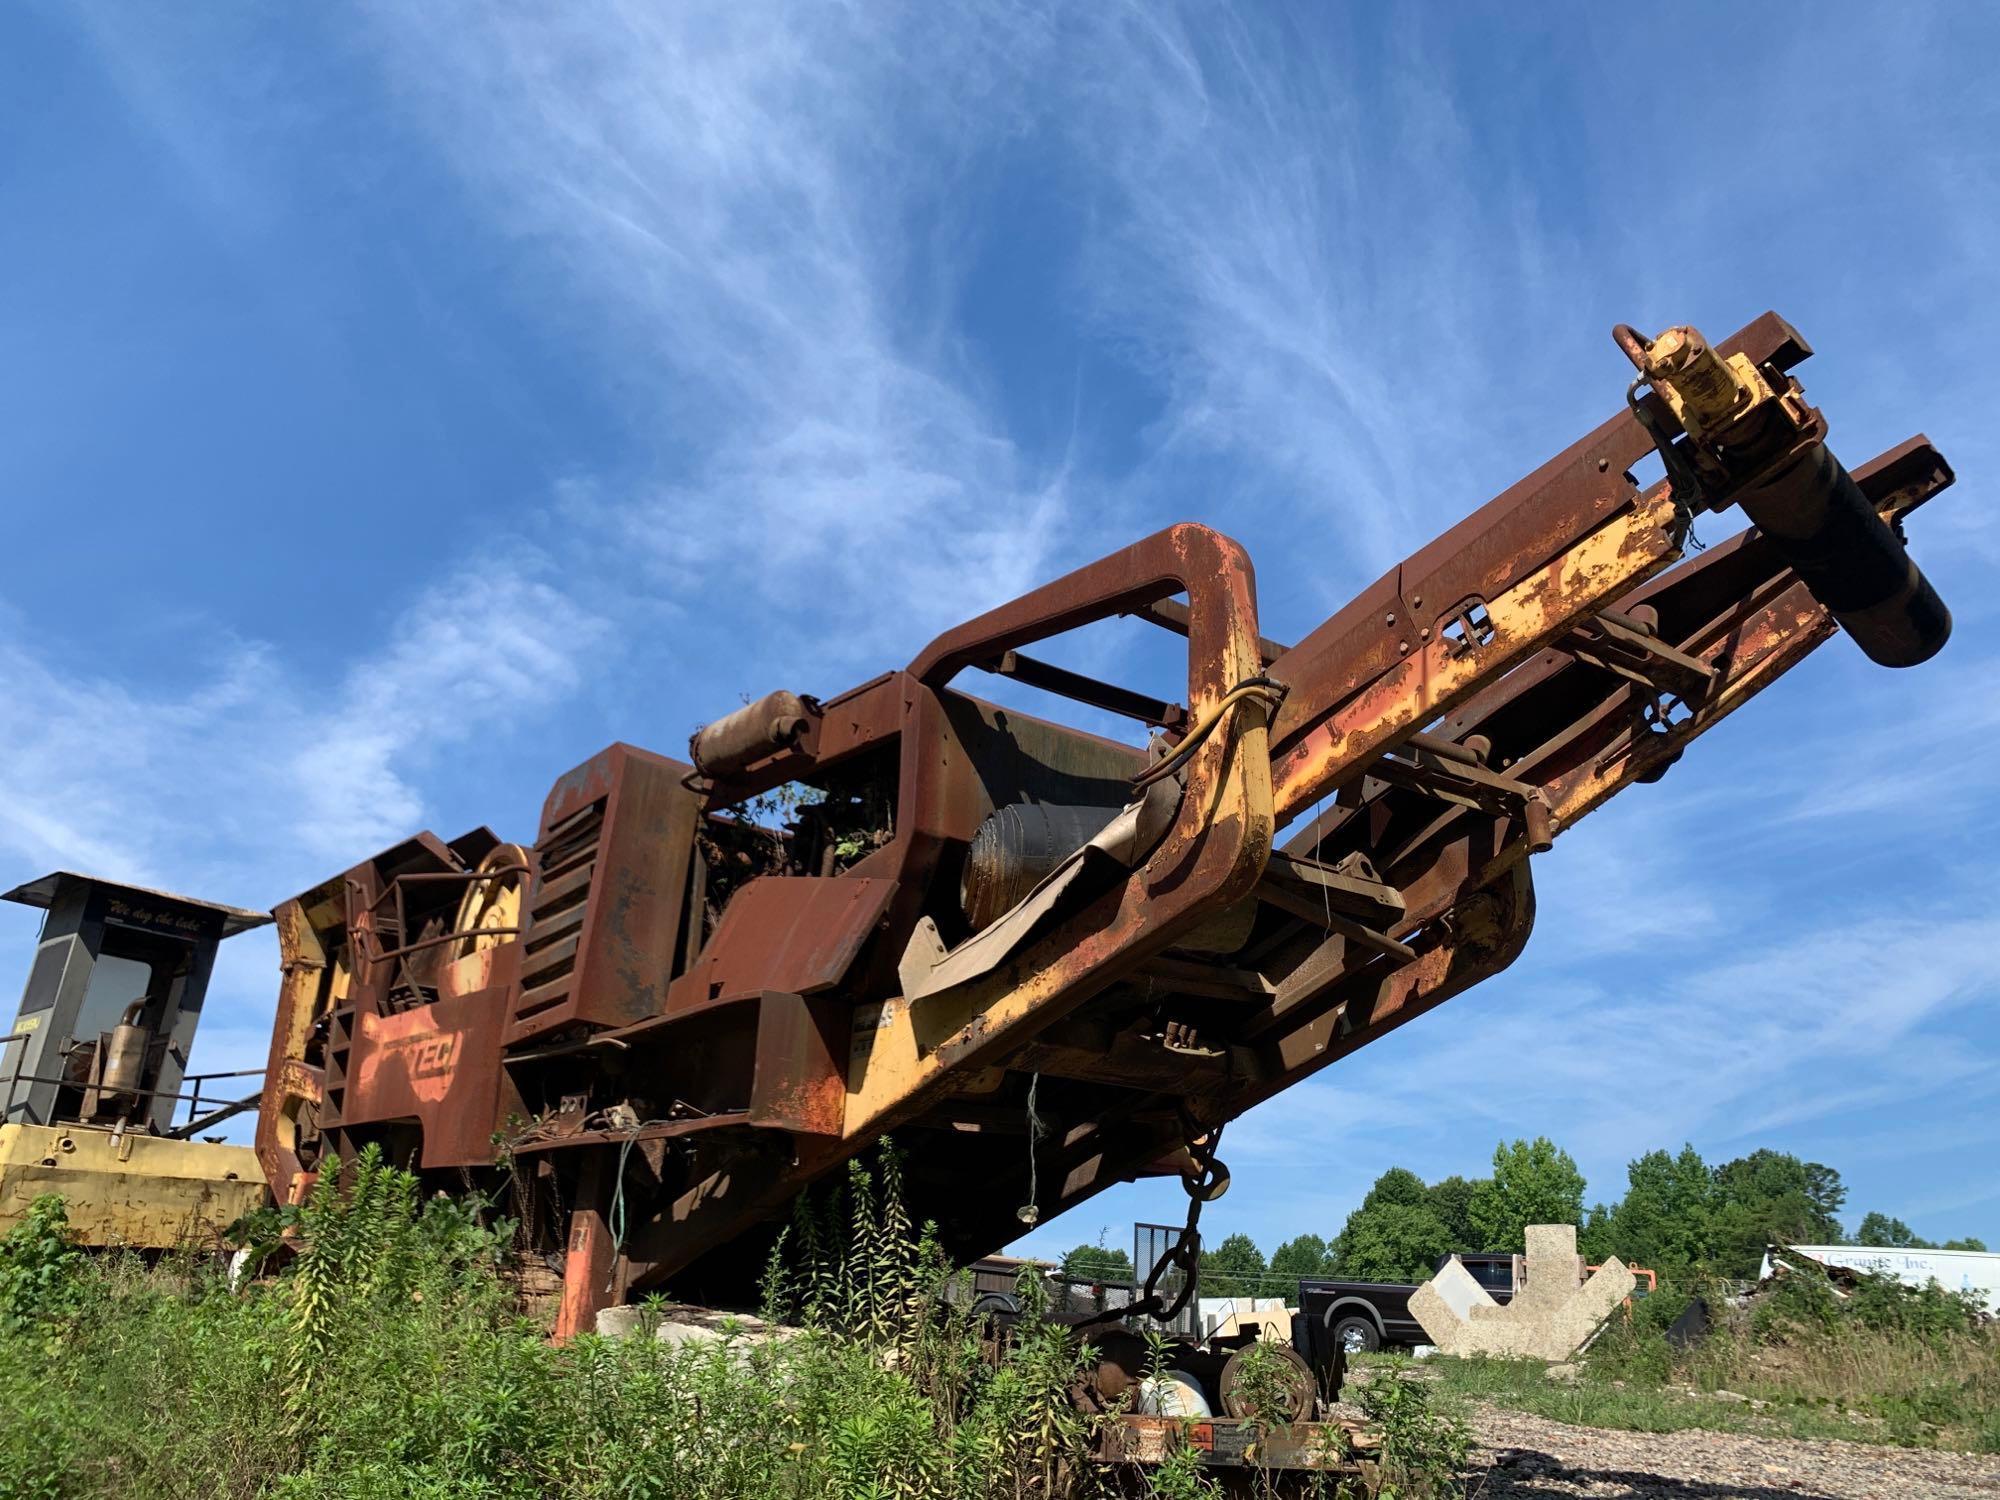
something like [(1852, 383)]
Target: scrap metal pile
[(677, 1008)]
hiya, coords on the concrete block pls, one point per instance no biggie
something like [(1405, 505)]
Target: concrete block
[(1550, 1318), (1443, 1306), (679, 1323)]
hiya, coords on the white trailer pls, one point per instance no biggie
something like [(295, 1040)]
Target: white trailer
[(1973, 1271)]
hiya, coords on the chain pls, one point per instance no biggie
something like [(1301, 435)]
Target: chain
[(1207, 1183)]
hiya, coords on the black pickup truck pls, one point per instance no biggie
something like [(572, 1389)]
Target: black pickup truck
[(1360, 1315)]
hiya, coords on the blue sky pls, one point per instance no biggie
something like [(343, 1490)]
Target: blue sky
[(404, 401)]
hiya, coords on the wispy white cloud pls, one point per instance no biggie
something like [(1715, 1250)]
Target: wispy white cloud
[(1306, 263), (98, 774), (720, 205), (1914, 760), (257, 780), (732, 195), (1283, 247)]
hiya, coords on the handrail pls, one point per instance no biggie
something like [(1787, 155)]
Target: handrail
[(193, 1099)]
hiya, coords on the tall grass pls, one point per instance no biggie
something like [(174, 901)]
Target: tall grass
[(1888, 1363), (387, 1359)]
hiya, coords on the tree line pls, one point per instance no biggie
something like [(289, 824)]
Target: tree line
[(1680, 1217)]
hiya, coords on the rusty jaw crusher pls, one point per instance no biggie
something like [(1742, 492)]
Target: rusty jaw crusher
[(672, 1018)]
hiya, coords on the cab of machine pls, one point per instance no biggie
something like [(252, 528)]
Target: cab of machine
[(94, 1068)]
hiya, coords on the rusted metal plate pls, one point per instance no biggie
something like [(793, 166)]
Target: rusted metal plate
[(1496, 548), (1439, 672), (382, 1023), (438, 1064), (291, 1085), (794, 933), (1212, 856), (898, 1065), (1747, 619), (800, 1078), (744, 1035), (607, 909)]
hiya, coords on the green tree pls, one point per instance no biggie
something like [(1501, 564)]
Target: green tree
[(1594, 1239), (1097, 1263), (1391, 1242), (1450, 1199), (1234, 1268), (1826, 1195), (1395, 1235), (1534, 1182), (1772, 1196), (1890, 1234), (1305, 1255), (1968, 1243), (1397, 1185), (1666, 1219)]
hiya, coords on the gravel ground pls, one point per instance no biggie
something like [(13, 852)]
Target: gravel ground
[(1521, 1456)]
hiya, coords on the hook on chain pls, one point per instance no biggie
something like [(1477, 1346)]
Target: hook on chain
[(1209, 1181)]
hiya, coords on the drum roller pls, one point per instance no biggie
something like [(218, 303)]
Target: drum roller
[(1749, 431)]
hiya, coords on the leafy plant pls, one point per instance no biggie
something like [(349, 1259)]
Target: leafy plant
[(40, 1266), (1424, 1447), (1183, 1476), (1264, 1385)]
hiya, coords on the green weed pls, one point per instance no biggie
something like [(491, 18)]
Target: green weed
[(385, 1358), (1424, 1445)]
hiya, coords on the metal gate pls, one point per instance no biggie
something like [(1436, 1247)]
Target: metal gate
[(1150, 1244)]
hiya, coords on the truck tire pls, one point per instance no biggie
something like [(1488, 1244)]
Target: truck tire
[(1356, 1334)]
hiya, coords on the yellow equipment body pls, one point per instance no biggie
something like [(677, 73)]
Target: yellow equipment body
[(143, 1191), (94, 1068), (131, 1189)]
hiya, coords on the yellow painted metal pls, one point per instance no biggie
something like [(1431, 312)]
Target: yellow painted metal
[(1706, 392), (490, 914), (292, 1089), (1626, 551), (131, 1189), (900, 1048)]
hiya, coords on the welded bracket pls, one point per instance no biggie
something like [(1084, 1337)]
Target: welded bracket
[(1626, 646)]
